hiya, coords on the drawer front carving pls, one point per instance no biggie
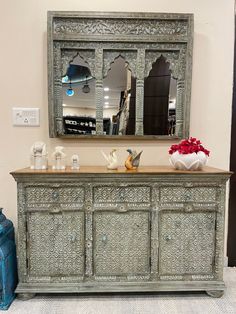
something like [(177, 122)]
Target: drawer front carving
[(55, 244), (185, 194), (187, 242), (130, 194), (121, 244), (47, 195)]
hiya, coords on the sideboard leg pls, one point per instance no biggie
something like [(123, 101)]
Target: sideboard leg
[(25, 296), (215, 293)]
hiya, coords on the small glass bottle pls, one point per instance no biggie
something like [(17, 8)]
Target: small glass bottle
[(75, 162), (58, 158)]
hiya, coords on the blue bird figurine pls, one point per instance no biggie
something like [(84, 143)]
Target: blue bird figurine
[(132, 162)]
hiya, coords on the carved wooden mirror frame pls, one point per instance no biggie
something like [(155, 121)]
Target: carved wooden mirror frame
[(140, 38)]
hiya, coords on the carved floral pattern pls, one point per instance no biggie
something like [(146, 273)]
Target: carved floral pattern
[(187, 243), (110, 56), (182, 194), (121, 243), (85, 26), (54, 195), (55, 244), (114, 194)]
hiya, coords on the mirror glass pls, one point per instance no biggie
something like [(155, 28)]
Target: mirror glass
[(160, 90), (79, 108), (117, 99)]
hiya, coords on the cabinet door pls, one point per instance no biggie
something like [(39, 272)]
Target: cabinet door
[(55, 245), (187, 243), (121, 243)]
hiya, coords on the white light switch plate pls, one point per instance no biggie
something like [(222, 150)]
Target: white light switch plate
[(25, 116)]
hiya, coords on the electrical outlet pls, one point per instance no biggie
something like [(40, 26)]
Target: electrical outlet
[(25, 116)]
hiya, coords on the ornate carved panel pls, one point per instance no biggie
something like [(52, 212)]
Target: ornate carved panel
[(111, 26), (55, 244), (172, 57), (121, 243), (88, 56), (187, 243), (47, 194), (110, 56), (113, 194), (183, 194), (99, 38)]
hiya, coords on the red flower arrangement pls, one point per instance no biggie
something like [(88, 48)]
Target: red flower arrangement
[(188, 146)]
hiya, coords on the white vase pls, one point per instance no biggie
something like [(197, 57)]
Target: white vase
[(194, 161)]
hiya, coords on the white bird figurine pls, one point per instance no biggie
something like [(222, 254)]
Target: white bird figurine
[(111, 159)]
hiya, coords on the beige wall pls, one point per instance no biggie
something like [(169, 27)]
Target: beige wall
[(23, 82)]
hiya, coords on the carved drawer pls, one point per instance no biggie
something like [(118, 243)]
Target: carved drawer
[(122, 194), (205, 194), (49, 195)]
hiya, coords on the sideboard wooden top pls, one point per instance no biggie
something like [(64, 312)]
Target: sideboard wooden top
[(155, 170)]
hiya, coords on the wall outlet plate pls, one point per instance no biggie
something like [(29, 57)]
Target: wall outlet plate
[(25, 116)]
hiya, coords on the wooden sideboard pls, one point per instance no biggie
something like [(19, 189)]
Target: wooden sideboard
[(98, 230)]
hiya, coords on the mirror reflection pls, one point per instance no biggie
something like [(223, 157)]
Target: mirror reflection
[(117, 95), (79, 109), (160, 91)]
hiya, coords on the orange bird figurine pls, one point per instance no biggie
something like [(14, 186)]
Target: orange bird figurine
[(132, 161)]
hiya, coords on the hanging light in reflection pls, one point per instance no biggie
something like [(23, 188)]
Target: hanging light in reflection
[(86, 88), (70, 91)]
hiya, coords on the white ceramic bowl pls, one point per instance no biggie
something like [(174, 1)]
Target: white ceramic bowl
[(194, 161)]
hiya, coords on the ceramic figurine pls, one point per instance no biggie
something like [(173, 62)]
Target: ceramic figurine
[(132, 162), (38, 156), (111, 159), (75, 162), (58, 158)]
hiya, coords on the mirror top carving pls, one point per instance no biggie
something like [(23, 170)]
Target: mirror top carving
[(141, 39)]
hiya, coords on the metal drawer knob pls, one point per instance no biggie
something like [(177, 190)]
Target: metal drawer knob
[(104, 238), (55, 194), (72, 238), (168, 238)]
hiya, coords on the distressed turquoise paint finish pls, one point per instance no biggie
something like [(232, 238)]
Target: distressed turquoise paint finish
[(8, 270)]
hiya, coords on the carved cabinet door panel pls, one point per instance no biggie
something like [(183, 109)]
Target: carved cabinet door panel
[(122, 244), (187, 243), (55, 245)]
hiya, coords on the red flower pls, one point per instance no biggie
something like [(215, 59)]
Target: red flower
[(188, 146)]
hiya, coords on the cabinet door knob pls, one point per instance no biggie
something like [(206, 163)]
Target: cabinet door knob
[(122, 209), (72, 237), (168, 238), (104, 238), (55, 211)]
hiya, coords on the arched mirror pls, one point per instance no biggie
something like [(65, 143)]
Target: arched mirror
[(117, 98), (160, 93), (119, 75), (79, 107)]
